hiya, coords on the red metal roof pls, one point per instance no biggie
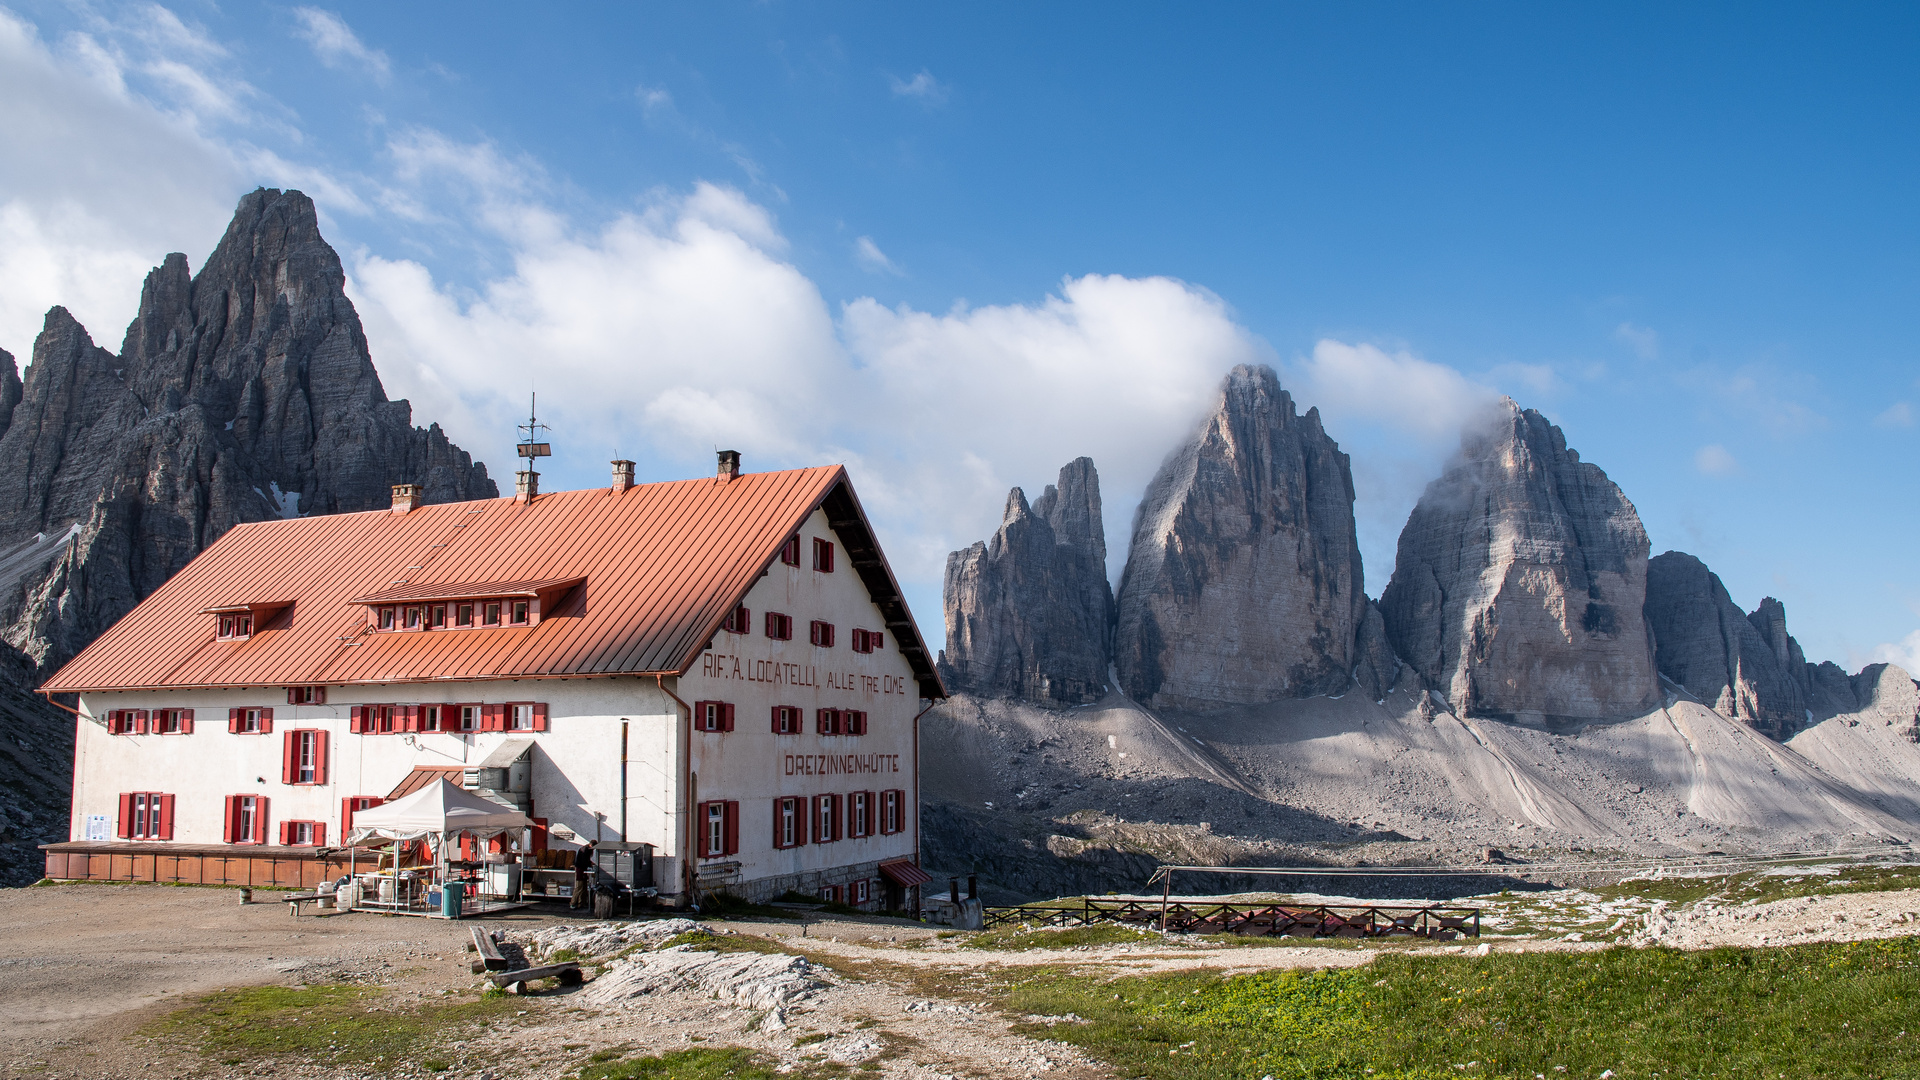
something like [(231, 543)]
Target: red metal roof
[(424, 775), (662, 563), (467, 590)]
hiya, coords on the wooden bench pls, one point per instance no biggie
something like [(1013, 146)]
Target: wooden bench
[(515, 981), (294, 902), (491, 958)]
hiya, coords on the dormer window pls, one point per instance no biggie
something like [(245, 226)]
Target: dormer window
[(490, 615), (463, 614), (412, 619), (436, 616), (467, 606), (235, 622), (521, 610), (236, 627), (385, 619)]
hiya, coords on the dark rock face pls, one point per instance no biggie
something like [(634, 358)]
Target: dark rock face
[(1375, 668), (1243, 583), (242, 393), (1746, 666), (1029, 613), (1519, 582)]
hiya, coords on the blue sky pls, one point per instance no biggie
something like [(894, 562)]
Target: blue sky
[(957, 247)]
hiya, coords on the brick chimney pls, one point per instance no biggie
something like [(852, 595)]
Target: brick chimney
[(405, 498), (622, 475), (526, 484), (729, 465)]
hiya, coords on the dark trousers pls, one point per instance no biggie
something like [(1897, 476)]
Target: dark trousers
[(581, 897)]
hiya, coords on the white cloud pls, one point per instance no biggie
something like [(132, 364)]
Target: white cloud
[(652, 98), (869, 255), (1905, 653), (1644, 342), (923, 86), (1897, 415), (337, 46), (1366, 384), (1716, 460)]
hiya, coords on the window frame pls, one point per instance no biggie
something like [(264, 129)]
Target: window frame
[(779, 627), (822, 555), (738, 621), (520, 613), (789, 822), (490, 613), (859, 814), (790, 551), (820, 634), (463, 614), (893, 816), (789, 720)]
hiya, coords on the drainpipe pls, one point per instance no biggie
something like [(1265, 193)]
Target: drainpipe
[(623, 779), (683, 741)]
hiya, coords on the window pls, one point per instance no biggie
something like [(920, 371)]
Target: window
[(412, 618), (384, 620), (787, 719), (860, 814), (383, 718), (127, 722), (823, 555), (790, 551), (866, 641), (719, 828), (789, 822), (862, 891), (893, 811), (469, 717), (712, 716), (821, 634), (236, 626), (351, 804), (830, 893), (827, 722), (303, 833), (779, 627), (146, 815), (463, 615), (522, 717), (250, 721), (306, 695), (430, 717), (520, 610), (436, 616), (304, 757), (246, 819), (853, 722), (171, 722), (490, 614), (826, 818), (739, 621)]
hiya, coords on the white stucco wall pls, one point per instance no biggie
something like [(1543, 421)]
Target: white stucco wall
[(577, 761)]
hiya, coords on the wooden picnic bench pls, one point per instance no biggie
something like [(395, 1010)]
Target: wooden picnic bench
[(294, 901), (568, 974)]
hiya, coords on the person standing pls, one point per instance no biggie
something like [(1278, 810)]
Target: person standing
[(583, 877)]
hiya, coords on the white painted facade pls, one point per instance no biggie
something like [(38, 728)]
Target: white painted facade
[(577, 762)]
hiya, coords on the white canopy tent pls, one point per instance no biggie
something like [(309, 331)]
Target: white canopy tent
[(439, 809)]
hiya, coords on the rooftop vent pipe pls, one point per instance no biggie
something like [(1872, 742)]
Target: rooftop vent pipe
[(405, 498), (729, 464), (622, 475)]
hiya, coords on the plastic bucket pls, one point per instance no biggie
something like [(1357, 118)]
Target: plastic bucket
[(451, 895)]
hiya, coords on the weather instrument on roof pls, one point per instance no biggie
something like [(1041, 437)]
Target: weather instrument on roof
[(529, 447)]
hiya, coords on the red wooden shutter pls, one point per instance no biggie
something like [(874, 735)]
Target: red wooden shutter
[(164, 830), (839, 815), (705, 846), (290, 756), (125, 830), (733, 828), (778, 840), (409, 718), (233, 721), (539, 716), (346, 816), (285, 827), (357, 720), (140, 721), (292, 699), (186, 721), (726, 720), (266, 721), (319, 834), (493, 717), (260, 819), (319, 757), (776, 731), (228, 818)]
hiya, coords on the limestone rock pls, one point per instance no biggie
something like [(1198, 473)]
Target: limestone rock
[(1029, 614), (1243, 582), (1375, 669), (1746, 667), (242, 393), (1887, 691), (1519, 582)]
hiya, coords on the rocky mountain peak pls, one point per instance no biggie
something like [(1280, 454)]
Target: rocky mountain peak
[(1520, 578), (1029, 612), (1243, 581)]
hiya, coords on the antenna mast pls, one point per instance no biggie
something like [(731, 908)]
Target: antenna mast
[(527, 481)]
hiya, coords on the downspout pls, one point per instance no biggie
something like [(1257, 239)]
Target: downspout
[(48, 694), (683, 741), (623, 779)]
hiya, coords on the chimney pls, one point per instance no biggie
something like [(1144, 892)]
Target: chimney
[(622, 475), (405, 498), (729, 464), (526, 485)]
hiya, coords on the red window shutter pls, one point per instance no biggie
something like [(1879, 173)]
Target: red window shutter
[(292, 693), (260, 820), (228, 819), (319, 834), (140, 721), (705, 845), (346, 815), (733, 828), (266, 721), (876, 640), (779, 841), (164, 830), (539, 716), (186, 721), (285, 826), (409, 718), (839, 815), (357, 720), (125, 831), (233, 721), (319, 757), (496, 718), (289, 756), (776, 730), (726, 719)]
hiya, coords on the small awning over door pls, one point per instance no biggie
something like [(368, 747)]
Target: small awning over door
[(904, 874)]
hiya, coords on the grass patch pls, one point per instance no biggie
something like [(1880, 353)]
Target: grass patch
[(564, 955), (1020, 938), (725, 905), (701, 939), (324, 1024), (1840, 1010), (1761, 886), (699, 1063)]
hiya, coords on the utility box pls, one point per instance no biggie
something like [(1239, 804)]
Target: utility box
[(630, 865)]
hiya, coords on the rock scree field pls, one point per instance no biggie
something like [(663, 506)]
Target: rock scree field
[(1805, 970)]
